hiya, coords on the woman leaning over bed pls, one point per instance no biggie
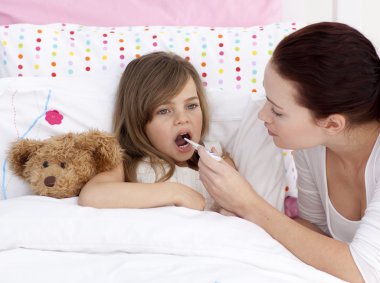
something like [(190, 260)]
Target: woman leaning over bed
[(323, 101)]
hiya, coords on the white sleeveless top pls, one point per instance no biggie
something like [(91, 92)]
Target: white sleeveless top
[(183, 175), (341, 228), (363, 237)]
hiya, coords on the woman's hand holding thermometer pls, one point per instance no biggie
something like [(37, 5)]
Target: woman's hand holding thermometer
[(196, 145)]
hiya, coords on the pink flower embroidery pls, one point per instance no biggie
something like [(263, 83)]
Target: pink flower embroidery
[(53, 117)]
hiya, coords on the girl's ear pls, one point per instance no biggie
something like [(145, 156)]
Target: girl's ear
[(333, 124)]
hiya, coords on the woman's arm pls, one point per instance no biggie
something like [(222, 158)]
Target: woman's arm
[(311, 246), (309, 225), (235, 194), (108, 190)]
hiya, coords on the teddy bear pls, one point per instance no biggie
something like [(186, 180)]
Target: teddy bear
[(61, 165)]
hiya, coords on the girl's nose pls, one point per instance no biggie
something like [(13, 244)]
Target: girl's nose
[(181, 118)]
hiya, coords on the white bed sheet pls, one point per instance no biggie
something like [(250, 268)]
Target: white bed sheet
[(49, 240), (23, 265)]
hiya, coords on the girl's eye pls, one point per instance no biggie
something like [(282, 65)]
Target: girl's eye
[(192, 106), (276, 113), (163, 111)]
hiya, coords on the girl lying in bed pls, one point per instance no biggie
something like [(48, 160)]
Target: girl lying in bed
[(160, 102)]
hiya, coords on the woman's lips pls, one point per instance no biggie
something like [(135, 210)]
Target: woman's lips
[(271, 133)]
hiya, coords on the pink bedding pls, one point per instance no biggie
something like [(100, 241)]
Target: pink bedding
[(142, 12)]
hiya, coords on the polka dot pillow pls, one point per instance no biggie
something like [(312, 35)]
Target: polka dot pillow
[(226, 58), (230, 60)]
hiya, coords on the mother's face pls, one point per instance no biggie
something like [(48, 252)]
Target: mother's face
[(291, 125)]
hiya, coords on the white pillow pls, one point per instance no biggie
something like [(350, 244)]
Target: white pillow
[(227, 110), (40, 107), (258, 159), (76, 104)]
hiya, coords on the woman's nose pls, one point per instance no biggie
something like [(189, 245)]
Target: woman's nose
[(264, 113)]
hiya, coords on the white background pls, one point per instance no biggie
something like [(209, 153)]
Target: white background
[(361, 14)]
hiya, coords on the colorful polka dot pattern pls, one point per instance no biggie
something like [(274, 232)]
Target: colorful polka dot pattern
[(231, 59)]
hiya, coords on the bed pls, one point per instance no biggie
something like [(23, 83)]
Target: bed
[(69, 61)]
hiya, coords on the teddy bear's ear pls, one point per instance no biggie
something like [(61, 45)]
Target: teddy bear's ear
[(105, 148), (20, 152)]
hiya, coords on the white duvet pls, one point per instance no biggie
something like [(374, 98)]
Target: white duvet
[(48, 240)]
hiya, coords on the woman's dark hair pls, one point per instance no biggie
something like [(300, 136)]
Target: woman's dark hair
[(335, 69)]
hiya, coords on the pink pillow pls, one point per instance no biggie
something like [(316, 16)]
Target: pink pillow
[(142, 12)]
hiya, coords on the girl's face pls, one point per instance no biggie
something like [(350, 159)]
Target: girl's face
[(291, 125), (178, 118)]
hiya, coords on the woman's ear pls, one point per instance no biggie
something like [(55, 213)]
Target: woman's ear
[(333, 124)]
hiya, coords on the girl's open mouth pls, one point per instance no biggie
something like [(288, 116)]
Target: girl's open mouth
[(183, 145)]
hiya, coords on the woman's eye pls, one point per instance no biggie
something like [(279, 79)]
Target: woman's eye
[(276, 113), (45, 164), (192, 106)]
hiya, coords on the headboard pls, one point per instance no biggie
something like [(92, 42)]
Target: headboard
[(214, 13)]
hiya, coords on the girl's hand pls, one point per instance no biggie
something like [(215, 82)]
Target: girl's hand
[(225, 184), (217, 208), (225, 212), (187, 197)]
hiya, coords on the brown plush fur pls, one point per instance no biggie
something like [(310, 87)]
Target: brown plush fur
[(60, 166)]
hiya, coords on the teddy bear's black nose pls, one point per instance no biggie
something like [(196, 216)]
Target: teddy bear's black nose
[(49, 181)]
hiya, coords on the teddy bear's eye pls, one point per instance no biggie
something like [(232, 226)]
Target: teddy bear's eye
[(45, 164), (63, 165)]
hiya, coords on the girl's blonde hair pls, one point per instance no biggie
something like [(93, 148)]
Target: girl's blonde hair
[(148, 82)]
